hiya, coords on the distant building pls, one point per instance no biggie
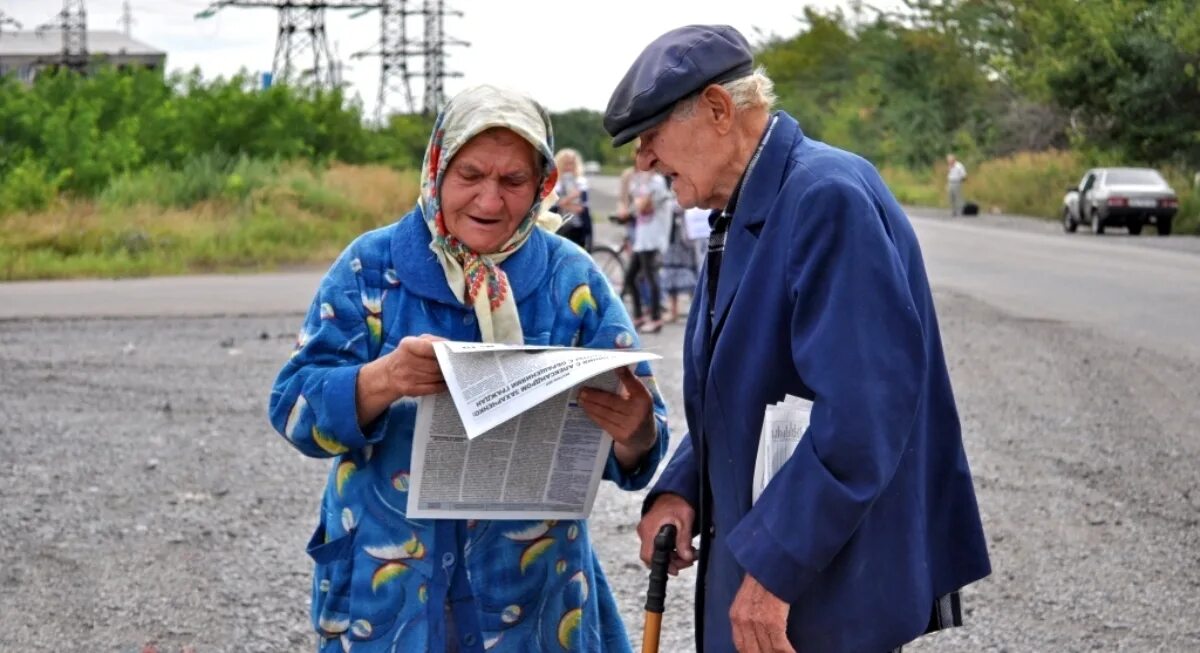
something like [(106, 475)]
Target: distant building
[(24, 54)]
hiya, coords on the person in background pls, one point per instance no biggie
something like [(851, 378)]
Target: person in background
[(650, 208), (679, 264), (572, 191), (956, 174), (814, 287), (697, 227), (476, 260)]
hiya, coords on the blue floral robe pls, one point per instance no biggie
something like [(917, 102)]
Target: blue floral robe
[(384, 582)]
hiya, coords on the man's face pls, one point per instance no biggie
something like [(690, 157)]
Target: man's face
[(488, 189), (687, 152)]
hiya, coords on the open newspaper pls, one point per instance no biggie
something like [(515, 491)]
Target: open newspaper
[(509, 440)]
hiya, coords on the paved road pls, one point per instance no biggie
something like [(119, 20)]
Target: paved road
[(1147, 295)]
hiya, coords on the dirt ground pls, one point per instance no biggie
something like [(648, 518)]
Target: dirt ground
[(146, 501)]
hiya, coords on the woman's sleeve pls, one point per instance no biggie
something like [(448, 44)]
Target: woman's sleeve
[(313, 401), (606, 325)]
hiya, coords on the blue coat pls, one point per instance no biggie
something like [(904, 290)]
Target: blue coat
[(823, 295), (382, 581)]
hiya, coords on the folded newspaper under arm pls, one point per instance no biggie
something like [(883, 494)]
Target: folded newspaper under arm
[(509, 440), (784, 424)]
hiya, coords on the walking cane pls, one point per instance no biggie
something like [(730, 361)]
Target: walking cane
[(664, 545)]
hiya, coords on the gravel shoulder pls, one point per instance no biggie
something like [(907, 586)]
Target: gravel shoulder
[(146, 499)]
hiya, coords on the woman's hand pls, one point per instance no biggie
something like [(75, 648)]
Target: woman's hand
[(411, 370), (628, 416)]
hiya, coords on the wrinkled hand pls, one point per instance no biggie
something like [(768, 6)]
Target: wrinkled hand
[(759, 620), (413, 369), (669, 509), (410, 371), (627, 416)]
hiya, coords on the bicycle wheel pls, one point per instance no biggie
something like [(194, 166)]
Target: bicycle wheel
[(611, 265)]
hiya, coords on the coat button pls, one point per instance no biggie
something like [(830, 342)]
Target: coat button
[(469, 639), (447, 559), (469, 318), (712, 530)]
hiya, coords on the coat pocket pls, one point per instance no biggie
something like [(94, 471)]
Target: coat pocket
[(331, 582)]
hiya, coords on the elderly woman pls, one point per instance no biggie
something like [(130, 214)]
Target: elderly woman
[(469, 263)]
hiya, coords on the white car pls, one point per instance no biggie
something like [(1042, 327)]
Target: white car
[(1129, 197)]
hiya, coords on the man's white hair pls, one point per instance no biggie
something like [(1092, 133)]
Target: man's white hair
[(754, 91)]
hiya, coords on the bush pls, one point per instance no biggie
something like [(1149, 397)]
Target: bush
[(911, 187), (1026, 183), (1187, 221), (212, 176), (27, 187)]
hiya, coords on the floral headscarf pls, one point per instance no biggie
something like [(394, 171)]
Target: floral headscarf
[(476, 279)]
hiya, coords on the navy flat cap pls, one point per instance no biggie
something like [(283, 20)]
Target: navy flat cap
[(674, 66)]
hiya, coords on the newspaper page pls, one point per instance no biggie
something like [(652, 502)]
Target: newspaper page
[(493, 383), (544, 461), (784, 424)]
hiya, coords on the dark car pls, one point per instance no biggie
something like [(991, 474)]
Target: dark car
[(1127, 197)]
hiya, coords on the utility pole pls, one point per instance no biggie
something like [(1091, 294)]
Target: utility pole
[(302, 54), (435, 56), (127, 20), (301, 31), (72, 22), (302, 34), (394, 52)]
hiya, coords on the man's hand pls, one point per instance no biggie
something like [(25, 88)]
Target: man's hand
[(627, 416), (669, 509), (759, 620)]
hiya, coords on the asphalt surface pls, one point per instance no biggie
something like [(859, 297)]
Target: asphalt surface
[(147, 501)]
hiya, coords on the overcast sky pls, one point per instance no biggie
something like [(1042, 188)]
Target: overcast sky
[(566, 54)]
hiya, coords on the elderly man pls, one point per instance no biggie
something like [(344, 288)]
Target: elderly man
[(814, 287), (956, 174)]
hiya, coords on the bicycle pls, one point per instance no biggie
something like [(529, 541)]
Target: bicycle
[(608, 258), (612, 264)]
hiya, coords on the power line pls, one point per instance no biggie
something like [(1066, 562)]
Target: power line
[(435, 55), (394, 52), (302, 52), (72, 22), (302, 55), (127, 20)]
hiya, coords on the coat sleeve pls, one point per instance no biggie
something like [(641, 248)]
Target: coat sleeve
[(313, 401), (681, 476), (607, 325), (857, 341)]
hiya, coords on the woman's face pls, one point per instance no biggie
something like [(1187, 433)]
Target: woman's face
[(569, 166), (489, 188)]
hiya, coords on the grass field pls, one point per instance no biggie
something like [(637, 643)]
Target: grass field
[(211, 216)]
